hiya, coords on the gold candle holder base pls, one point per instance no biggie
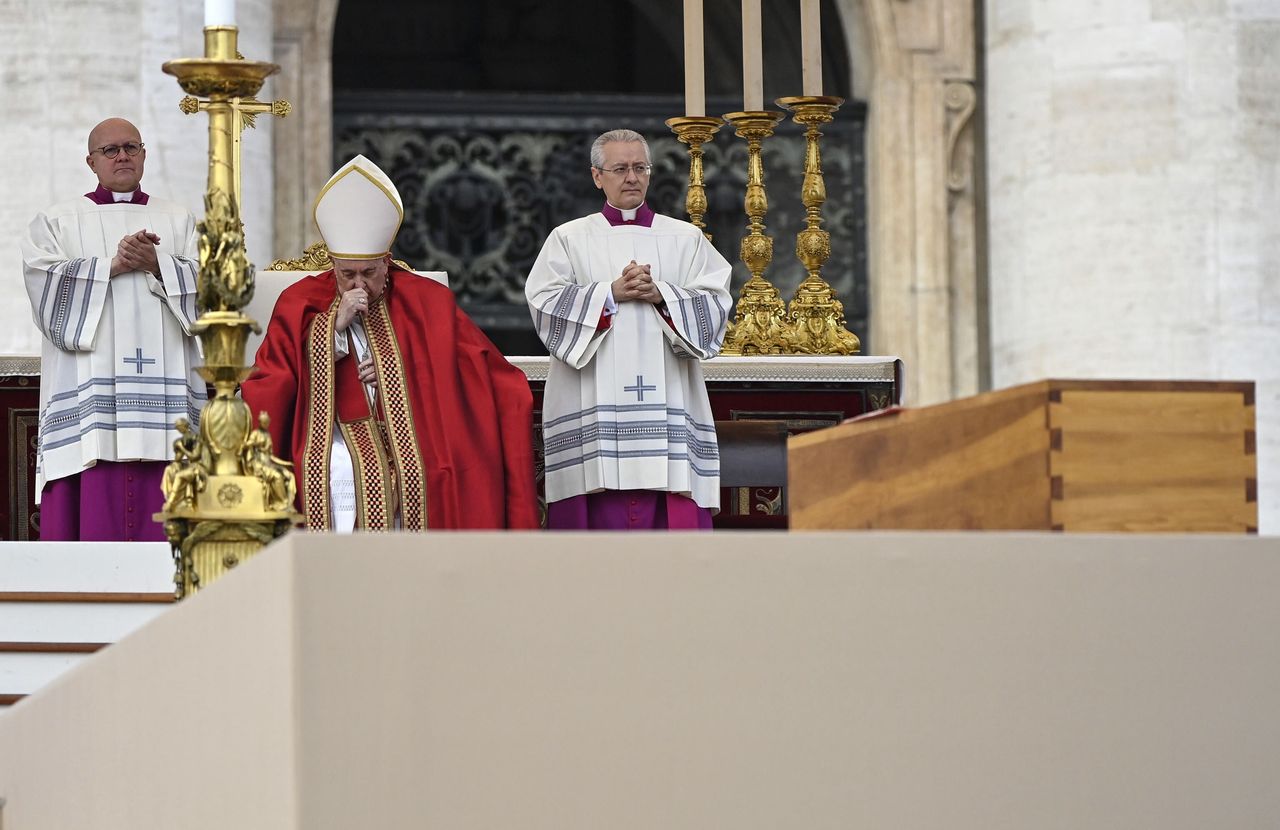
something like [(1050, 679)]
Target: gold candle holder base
[(695, 130), (815, 318), (758, 325)]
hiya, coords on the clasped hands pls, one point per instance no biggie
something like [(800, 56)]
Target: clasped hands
[(356, 301), (136, 252), (636, 283)]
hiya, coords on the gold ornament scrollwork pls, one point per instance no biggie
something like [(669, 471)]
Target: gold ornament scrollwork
[(226, 277), (760, 321), (315, 257), (202, 84), (817, 323)]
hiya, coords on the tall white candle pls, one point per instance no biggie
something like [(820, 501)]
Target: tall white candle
[(695, 92), (219, 12), (752, 60), (811, 46)]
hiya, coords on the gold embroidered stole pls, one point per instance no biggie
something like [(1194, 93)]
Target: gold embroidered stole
[(397, 406), (384, 451), (375, 477), (320, 420)]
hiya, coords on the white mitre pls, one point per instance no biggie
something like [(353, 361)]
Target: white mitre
[(359, 211)]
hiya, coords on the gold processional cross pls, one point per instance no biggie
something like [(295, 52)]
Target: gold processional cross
[(245, 112)]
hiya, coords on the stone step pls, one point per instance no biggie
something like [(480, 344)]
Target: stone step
[(60, 602), (92, 567)]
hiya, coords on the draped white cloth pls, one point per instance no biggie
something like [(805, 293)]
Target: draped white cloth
[(117, 362), (626, 408)]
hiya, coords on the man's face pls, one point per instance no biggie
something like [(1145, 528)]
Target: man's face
[(122, 173), (625, 190), (368, 274)]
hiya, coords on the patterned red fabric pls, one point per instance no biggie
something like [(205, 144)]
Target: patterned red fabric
[(395, 404), (471, 409), (375, 480), (311, 463)]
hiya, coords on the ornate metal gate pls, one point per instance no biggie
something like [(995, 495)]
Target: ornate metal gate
[(486, 177)]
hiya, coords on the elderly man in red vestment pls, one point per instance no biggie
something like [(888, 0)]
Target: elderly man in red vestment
[(395, 409)]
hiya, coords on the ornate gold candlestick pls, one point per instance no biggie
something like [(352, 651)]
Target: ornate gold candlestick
[(759, 322), (816, 318), (226, 495), (695, 130)]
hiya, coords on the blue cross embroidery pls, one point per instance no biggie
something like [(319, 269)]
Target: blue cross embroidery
[(139, 360), (639, 388)]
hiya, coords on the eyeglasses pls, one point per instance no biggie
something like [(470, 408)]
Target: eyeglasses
[(641, 170), (113, 150)]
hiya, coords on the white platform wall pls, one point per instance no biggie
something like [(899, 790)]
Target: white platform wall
[(966, 681)]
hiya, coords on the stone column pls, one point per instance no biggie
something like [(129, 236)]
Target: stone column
[(914, 63), (1134, 190), (304, 149)]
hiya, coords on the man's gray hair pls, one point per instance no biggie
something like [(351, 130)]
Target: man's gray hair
[(597, 146)]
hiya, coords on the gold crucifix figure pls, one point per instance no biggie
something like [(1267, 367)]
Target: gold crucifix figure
[(245, 112)]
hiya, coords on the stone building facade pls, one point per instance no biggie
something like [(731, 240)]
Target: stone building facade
[(1055, 188)]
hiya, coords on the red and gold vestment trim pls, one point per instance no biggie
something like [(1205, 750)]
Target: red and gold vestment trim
[(320, 419), (375, 479), (401, 432), (389, 474)]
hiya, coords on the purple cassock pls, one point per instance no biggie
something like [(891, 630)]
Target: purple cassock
[(628, 509), (110, 501)]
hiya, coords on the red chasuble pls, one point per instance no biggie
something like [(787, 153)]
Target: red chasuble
[(449, 443)]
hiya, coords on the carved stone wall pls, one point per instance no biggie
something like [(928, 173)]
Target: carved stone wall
[(915, 64)]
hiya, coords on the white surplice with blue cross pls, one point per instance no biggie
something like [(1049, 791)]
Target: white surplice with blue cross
[(626, 407), (117, 366)]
